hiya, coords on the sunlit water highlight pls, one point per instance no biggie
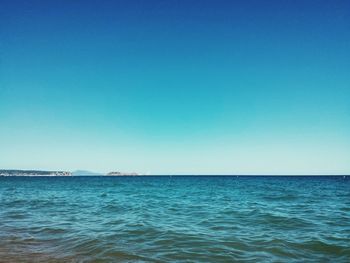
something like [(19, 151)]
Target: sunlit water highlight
[(175, 219)]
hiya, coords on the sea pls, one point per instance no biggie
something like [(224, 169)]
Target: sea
[(175, 219)]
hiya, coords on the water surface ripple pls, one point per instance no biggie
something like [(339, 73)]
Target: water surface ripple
[(174, 219)]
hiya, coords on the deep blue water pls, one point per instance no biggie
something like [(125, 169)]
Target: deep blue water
[(174, 219)]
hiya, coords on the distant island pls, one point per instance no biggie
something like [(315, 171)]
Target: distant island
[(33, 173), (121, 174), (60, 173), (86, 173)]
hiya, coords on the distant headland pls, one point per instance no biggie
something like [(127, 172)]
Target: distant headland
[(16, 172), (121, 174), (33, 173)]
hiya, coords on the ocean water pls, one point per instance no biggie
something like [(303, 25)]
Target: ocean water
[(174, 219)]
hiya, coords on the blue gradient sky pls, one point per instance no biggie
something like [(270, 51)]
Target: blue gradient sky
[(176, 87)]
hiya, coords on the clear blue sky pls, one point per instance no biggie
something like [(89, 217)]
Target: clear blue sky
[(176, 87)]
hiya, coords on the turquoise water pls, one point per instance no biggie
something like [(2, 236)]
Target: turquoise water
[(175, 219)]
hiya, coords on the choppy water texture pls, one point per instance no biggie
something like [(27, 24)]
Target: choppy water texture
[(175, 219)]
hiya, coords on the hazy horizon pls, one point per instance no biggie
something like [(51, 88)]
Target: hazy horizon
[(176, 87)]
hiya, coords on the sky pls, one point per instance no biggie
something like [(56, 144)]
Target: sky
[(176, 87)]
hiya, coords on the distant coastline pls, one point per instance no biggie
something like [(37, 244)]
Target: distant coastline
[(17, 172), (34, 173), (121, 174)]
